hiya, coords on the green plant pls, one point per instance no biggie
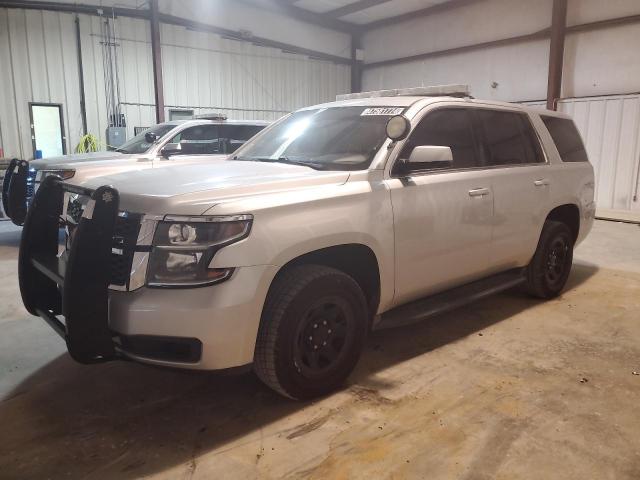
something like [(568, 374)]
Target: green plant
[(88, 143)]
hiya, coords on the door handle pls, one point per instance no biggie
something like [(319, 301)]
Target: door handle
[(478, 192), (541, 182)]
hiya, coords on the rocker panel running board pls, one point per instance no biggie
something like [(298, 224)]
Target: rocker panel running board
[(424, 308)]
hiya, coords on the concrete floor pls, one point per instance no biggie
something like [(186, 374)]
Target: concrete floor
[(509, 388)]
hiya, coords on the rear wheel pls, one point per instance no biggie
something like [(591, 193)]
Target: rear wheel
[(312, 331), (549, 269)]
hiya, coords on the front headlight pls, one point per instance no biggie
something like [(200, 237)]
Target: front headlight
[(183, 248)]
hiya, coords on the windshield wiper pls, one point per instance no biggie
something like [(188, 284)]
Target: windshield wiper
[(283, 159)]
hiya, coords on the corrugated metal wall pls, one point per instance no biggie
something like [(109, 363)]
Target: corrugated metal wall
[(610, 127), (38, 63), (201, 71), (208, 73)]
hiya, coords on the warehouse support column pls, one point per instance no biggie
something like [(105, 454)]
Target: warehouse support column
[(156, 53), (356, 63), (556, 52)]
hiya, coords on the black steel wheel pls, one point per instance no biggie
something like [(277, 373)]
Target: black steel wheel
[(312, 331), (550, 267), (322, 336)]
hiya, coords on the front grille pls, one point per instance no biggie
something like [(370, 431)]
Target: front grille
[(31, 185), (124, 239)]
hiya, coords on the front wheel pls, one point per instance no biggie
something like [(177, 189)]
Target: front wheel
[(312, 331), (550, 266)]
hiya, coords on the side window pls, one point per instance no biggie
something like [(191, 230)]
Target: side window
[(533, 147), (235, 135), (567, 139), (509, 138), (449, 127), (199, 140)]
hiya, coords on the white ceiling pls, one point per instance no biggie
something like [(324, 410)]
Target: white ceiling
[(390, 8)]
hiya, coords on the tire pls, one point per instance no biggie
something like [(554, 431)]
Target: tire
[(312, 331), (550, 266)]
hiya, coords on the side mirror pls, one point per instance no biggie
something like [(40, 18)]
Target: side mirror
[(171, 149), (429, 156)]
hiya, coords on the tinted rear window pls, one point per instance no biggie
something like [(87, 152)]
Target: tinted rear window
[(509, 138), (567, 139)]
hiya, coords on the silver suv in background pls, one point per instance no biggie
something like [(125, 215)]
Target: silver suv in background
[(201, 140), (370, 212)]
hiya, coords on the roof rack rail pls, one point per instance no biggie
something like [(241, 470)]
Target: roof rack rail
[(454, 90)]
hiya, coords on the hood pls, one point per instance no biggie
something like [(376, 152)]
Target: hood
[(193, 189), (56, 162)]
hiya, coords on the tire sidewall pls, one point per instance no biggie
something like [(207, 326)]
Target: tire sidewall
[(552, 231), (331, 285)]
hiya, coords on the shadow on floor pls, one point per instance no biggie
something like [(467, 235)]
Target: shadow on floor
[(9, 234), (127, 420)]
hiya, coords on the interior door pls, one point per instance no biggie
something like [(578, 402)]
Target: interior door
[(47, 129), (442, 216)]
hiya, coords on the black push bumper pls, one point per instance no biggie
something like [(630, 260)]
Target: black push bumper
[(17, 190), (78, 289)]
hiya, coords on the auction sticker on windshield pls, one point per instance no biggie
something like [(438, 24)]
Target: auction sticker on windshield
[(382, 111)]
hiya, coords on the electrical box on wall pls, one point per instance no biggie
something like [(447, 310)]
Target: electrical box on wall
[(116, 136)]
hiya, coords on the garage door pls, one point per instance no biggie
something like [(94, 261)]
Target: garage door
[(610, 127)]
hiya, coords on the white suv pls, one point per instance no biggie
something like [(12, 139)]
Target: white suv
[(202, 140), (370, 212)]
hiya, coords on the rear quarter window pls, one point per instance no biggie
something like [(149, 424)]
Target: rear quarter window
[(567, 139)]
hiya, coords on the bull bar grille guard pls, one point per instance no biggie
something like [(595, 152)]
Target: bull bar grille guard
[(77, 289)]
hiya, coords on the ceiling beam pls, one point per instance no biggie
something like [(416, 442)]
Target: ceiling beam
[(353, 8), (286, 7), (539, 35), (75, 8), (423, 12), (261, 41), (173, 20)]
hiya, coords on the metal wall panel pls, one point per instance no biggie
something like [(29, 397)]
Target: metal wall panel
[(201, 71), (610, 127), (206, 73)]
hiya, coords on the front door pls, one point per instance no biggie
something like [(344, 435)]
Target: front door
[(443, 214)]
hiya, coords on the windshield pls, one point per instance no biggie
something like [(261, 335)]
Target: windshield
[(139, 144), (338, 138)]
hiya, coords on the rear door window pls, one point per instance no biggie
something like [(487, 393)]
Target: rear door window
[(566, 137), (508, 138), (235, 135)]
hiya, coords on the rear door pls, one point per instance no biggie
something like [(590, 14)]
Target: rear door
[(442, 215), (520, 182)]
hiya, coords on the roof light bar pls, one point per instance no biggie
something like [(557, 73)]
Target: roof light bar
[(453, 90), (211, 116)]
